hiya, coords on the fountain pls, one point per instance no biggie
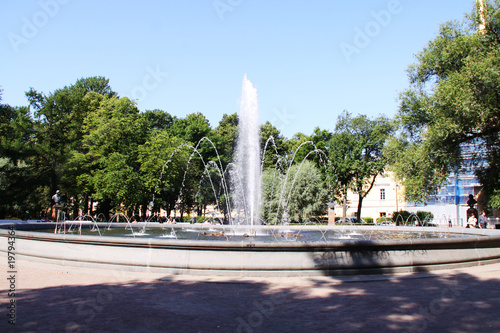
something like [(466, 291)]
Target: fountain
[(273, 250), (246, 175)]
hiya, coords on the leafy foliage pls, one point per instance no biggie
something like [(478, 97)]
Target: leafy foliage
[(96, 147), (276, 146), (225, 136), (357, 153), (298, 195), (162, 162), (453, 101)]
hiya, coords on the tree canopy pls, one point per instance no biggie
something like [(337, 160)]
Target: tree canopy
[(97, 147), (451, 105), (296, 196), (357, 154)]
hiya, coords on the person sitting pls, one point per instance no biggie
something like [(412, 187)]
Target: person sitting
[(471, 222)]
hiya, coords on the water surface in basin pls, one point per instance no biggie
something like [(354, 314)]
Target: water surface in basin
[(268, 235)]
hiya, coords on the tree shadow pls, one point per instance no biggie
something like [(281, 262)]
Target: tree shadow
[(457, 302)]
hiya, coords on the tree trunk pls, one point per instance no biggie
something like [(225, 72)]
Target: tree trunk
[(344, 205), (76, 208), (144, 208), (360, 204)]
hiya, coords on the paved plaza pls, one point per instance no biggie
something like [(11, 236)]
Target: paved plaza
[(52, 298)]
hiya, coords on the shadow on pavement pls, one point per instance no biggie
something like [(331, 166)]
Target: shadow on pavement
[(431, 303)]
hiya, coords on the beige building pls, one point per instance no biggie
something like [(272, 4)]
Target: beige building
[(385, 198)]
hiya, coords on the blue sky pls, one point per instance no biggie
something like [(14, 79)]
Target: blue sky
[(309, 60)]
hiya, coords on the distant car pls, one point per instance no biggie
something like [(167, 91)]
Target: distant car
[(351, 220), (427, 224), (386, 223)]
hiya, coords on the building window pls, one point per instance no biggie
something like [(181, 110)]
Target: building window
[(382, 194)]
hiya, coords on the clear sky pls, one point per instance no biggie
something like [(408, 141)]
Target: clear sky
[(309, 60)]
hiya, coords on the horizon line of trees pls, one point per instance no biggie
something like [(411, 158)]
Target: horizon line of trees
[(95, 146)]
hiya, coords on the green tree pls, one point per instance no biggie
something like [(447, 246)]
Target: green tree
[(58, 131), (16, 133), (452, 103), (225, 136), (112, 135), (276, 147), (300, 193), (357, 154), (17, 174), (158, 120), (194, 129), (210, 191), (162, 160), (314, 147)]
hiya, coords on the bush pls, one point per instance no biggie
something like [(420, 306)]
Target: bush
[(368, 220), (383, 218), (425, 216), (402, 217)]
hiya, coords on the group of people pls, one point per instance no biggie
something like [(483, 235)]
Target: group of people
[(473, 221), (481, 222)]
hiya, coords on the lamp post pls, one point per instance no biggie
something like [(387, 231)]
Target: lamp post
[(397, 208), (331, 212)]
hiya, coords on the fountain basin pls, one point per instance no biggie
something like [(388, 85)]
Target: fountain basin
[(251, 257)]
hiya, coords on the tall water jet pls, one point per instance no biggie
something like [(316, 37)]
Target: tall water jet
[(246, 176)]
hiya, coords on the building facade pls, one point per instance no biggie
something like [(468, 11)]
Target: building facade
[(449, 205), (385, 198)]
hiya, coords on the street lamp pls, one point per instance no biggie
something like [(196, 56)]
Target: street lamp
[(397, 208)]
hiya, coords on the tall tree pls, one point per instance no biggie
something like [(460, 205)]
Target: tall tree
[(453, 102), (225, 136), (314, 147), (158, 120), (356, 154), (163, 161), (194, 129), (276, 147), (58, 123), (18, 179), (112, 136), (16, 133)]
